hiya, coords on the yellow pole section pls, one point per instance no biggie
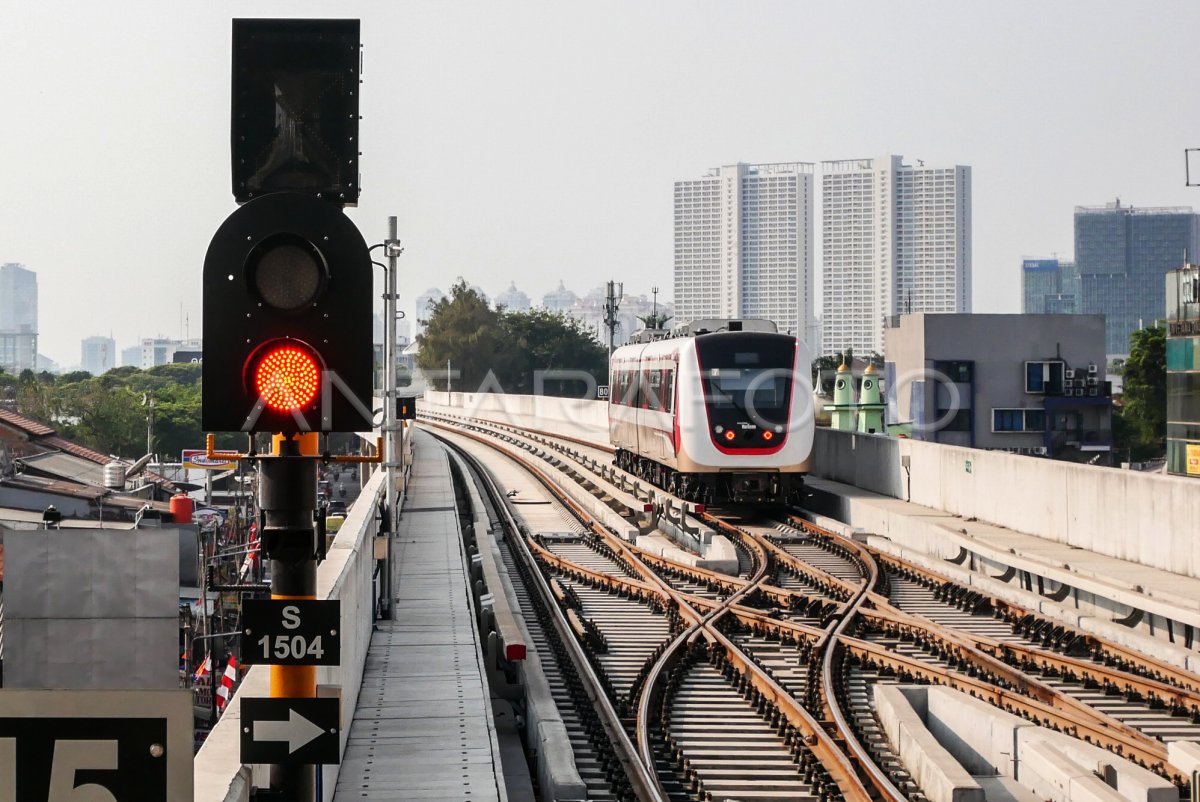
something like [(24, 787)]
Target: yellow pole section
[(290, 682)]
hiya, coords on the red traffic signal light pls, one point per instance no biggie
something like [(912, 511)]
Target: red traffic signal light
[(287, 320), (286, 376)]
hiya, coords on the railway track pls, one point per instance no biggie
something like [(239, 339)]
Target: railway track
[(783, 656)]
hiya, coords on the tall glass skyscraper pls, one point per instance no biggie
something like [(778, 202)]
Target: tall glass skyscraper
[(18, 318), (1049, 287), (1123, 255)]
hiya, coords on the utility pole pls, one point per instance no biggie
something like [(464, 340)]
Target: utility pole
[(148, 400), (654, 308), (447, 378), (616, 291), (392, 453)]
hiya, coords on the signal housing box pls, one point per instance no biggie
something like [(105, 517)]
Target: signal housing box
[(295, 108)]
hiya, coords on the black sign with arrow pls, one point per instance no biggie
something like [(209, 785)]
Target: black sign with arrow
[(286, 632), (291, 731)]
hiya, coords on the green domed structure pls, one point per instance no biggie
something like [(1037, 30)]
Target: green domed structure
[(870, 404), (843, 406)]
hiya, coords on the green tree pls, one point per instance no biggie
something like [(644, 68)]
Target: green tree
[(465, 332), (110, 422), (1142, 430), (403, 376), (109, 412), (541, 340)]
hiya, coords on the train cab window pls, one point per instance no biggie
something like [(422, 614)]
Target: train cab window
[(668, 390), (748, 371)]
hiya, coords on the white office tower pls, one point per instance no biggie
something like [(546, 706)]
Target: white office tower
[(99, 355), (743, 245), (896, 240)]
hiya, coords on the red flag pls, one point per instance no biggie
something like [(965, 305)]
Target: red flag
[(227, 680), (204, 668)]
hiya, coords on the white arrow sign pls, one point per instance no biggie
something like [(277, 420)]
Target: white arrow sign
[(297, 731)]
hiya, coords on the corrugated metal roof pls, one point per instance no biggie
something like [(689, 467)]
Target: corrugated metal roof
[(46, 437), (66, 466)]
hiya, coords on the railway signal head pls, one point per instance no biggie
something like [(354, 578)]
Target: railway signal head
[(287, 277), (287, 319)]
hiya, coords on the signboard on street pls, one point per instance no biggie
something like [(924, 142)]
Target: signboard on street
[(406, 408), (291, 731), (197, 458), (184, 357), (288, 632), (106, 746)]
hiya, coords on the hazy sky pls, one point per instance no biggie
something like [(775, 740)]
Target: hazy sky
[(539, 141)]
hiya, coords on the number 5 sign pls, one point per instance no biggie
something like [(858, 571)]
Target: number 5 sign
[(95, 746), (285, 632)]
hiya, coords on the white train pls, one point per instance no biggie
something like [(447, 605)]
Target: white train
[(722, 412)]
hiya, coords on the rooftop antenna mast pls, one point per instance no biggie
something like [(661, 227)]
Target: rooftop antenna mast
[(612, 302)]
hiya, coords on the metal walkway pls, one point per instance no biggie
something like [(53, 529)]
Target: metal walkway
[(423, 725)]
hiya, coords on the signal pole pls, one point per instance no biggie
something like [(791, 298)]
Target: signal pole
[(287, 495), (392, 452)]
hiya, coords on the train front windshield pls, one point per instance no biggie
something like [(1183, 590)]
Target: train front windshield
[(748, 375)]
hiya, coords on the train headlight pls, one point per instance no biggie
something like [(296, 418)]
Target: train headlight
[(718, 428), (730, 434), (768, 435)]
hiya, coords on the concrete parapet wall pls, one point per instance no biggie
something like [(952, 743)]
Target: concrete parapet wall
[(1053, 765), (1141, 517), (573, 417), (346, 575), (941, 777)]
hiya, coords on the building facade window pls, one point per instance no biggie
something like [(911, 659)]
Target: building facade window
[(1044, 378), (958, 371), (1018, 420)]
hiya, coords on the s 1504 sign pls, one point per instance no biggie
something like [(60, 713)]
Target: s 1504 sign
[(287, 632)]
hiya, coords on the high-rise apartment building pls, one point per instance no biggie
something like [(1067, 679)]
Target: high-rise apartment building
[(424, 302), (1049, 287), (1183, 371), (1123, 254), (18, 318), (99, 355), (896, 240), (743, 245)]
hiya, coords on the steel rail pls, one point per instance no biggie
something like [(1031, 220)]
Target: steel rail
[(830, 756), (643, 779), (1035, 696)]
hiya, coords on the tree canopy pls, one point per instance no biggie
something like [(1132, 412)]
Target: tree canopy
[(109, 412), (496, 350), (1141, 427)]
